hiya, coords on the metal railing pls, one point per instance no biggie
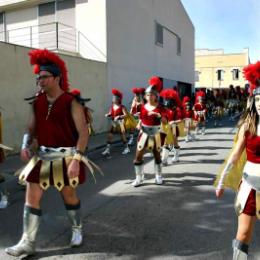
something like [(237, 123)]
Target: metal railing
[(56, 37)]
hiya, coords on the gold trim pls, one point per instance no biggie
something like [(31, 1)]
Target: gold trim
[(150, 143), (45, 175), (122, 127), (72, 181), (142, 141), (57, 171), (28, 168), (257, 199), (158, 141)]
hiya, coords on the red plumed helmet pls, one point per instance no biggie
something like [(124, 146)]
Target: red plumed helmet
[(185, 100), (41, 57), (199, 94), (171, 94), (117, 93), (252, 75), (138, 91), (75, 92), (156, 82)]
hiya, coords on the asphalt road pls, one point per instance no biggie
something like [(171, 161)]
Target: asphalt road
[(181, 219)]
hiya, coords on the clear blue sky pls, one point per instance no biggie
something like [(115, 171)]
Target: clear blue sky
[(228, 24)]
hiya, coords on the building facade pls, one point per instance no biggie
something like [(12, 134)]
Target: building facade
[(125, 42), (214, 69), (136, 38)]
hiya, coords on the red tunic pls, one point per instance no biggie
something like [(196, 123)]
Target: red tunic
[(152, 120), (253, 155), (253, 148), (116, 112), (174, 115), (136, 108), (197, 108), (187, 114), (56, 130)]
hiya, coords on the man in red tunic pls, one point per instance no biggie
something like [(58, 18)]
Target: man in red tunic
[(58, 124)]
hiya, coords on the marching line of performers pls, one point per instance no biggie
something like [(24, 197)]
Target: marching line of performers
[(55, 143), (230, 102)]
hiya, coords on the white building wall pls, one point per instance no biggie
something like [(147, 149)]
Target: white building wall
[(22, 26), (91, 22), (133, 55), (88, 76)]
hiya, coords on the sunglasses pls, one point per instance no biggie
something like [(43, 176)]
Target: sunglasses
[(43, 77)]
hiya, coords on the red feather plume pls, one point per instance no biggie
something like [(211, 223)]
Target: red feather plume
[(117, 93), (199, 94), (41, 57), (138, 90), (252, 74), (185, 100), (171, 94), (156, 82), (75, 92)]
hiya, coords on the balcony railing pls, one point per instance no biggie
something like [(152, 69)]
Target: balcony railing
[(56, 37)]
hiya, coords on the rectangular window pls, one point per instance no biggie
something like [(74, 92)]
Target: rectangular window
[(235, 73), (2, 28), (159, 34), (66, 12), (178, 45), (1, 19), (47, 28), (65, 4), (220, 74), (47, 13)]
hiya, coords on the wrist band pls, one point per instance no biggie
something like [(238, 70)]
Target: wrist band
[(79, 152), (77, 157), (26, 141)]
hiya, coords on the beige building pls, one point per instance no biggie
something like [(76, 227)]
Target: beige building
[(216, 69)]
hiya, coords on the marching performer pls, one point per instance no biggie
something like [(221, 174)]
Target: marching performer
[(218, 109), (187, 116), (232, 103), (172, 105), (58, 124), (248, 196), (135, 109), (200, 110), (151, 116), (87, 111), (117, 115), (3, 195)]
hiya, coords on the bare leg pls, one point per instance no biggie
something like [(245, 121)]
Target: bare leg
[(138, 163), (243, 238)]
